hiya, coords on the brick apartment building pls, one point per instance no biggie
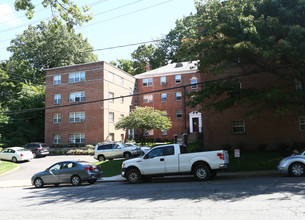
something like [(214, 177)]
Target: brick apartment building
[(180, 76), (73, 114)]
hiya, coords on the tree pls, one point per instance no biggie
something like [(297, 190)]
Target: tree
[(39, 48), (258, 36), (123, 64), (145, 119), (62, 10), (18, 125)]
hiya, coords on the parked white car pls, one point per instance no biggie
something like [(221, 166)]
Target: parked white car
[(16, 154), (174, 159)]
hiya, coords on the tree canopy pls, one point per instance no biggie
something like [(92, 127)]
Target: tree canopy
[(144, 118), (258, 36), (62, 10), (39, 48)]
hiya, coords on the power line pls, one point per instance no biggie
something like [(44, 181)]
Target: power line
[(132, 95)]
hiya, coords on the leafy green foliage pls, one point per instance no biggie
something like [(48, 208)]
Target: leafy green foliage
[(255, 36), (39, 48), (62, 11), (144, 118)]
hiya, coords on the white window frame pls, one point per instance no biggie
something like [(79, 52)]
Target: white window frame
[(148, 99), (178, 79), (194, 81), (57, 99), (56, 139), (237, 125), (178, 96), (111, 117), (76, 117), (56, 118), (162, 80), (77, 77), (111, 77), (147, 82), (163, 97), (57, 80), (77, 138), (111, 97), (77, 97), (164, 132), (302, 123), (298, 85), (179, 112)]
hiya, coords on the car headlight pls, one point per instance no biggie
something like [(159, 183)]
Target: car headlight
[(283, 161)]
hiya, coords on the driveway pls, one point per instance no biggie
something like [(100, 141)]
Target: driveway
[(27, 169)]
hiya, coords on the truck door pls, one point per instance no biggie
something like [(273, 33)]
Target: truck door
[(153, 162), (171, 160)]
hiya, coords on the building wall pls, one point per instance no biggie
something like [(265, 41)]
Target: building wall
[(96, 126), (180, 125)]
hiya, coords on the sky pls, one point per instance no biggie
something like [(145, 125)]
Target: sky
[(115, 23)]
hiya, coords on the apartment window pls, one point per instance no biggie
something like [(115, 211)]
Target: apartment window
[(164, 132), (77, 138), (77, 77), (57, 80), (56, 139), (194, 83), (57, 98), (302, 123), (178, 96), (298, 85), (122, 81), (238, 126), (147, 82), (122, 100), (111, 96), (130, 91), (111, 117), (163, 80), (111, 137), (178, 79), (77, 97), (147, 99), (163, 97), (75, 117), (149, 133), (179, 113), (56, 118), (111, 77)]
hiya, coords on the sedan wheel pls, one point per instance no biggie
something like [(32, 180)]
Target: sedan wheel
[(14, 159), (38, 183), (75, 180), (297, 169), (127, 155)]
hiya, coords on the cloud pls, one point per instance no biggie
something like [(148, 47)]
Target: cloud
[(7, 15)]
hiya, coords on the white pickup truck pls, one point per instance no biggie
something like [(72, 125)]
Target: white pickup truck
[(174, 159)]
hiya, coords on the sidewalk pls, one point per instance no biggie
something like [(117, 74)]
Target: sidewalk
[(119, 178)]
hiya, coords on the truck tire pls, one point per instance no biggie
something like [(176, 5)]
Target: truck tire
[(133, 176), (202, 172)]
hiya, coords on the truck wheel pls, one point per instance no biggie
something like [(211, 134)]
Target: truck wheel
[(127, 155), (296, 169), (202, 172), (133, 176)]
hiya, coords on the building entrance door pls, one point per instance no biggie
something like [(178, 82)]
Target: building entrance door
[(195, 125)]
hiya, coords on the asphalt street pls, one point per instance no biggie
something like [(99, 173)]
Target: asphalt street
[(226, 197)]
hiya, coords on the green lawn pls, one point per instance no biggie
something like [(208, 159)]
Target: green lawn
[(7, 166), (251, 161), (111, 167)]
